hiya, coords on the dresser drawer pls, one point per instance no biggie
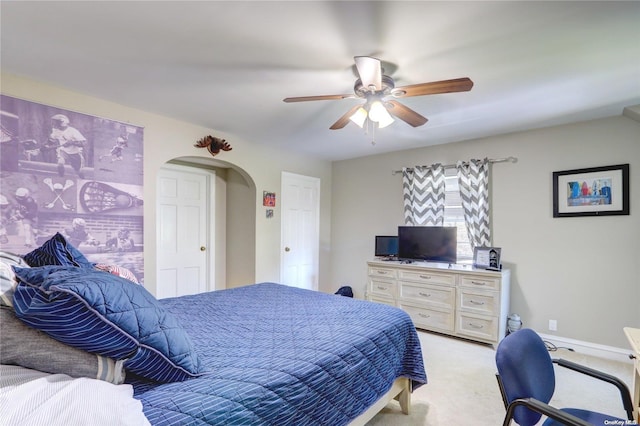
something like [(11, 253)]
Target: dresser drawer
[(381, 272), (479, 301), (427, 277), (477, 326), (382, 288), (383, 300), (430, 318), (432, 295), (478, 281)]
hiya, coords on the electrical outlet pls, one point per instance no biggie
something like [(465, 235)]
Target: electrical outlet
[(553, 325)]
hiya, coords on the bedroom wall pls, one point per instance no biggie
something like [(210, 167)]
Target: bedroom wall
[(166, 139), (583, 272), (590, 302)]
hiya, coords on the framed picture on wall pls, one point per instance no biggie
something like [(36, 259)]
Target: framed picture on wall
[(597, 191), (487, 258), (268, 199)]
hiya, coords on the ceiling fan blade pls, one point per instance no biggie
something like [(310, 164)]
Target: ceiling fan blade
[(344, 120), (445, 86), (370, 71), (405, 114), (318, 98)]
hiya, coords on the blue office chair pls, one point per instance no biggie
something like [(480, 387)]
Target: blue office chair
[(527, 381)]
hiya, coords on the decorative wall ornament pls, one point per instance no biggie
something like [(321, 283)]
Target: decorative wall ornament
[(214, 145)]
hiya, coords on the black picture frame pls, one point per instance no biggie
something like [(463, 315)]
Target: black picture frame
[(595, 191), (487, 258)]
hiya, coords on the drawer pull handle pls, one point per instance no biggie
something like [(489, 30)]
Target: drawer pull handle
[(476, 303), (424, 294), (426, 277), (381, 287), (478, 283), (424, 315), (472, 325), (382, 272)]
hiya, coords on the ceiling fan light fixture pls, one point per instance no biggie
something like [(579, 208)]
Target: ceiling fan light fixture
[(379, 114), (385, 120), (359, 117)]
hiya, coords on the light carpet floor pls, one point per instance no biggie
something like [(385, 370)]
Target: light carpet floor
[(462, 388)]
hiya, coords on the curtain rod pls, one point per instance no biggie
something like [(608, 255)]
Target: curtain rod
[(451, 166)]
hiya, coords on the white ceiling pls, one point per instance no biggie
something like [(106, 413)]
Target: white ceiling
[(228, 65)]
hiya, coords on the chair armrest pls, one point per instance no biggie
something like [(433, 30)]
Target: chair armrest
[(503, 393), (622, 387), (546, 409)]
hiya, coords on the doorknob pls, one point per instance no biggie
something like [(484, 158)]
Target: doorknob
[(287, 249), (202, 248)]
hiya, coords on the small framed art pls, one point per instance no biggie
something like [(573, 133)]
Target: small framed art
[(268, 199), (597, 191), (487, 258)]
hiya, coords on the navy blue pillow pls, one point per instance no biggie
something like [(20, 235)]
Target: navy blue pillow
[(57, 251), (108, 315)]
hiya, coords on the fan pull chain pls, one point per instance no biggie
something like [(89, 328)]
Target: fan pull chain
[(370, 125), (373, 134)]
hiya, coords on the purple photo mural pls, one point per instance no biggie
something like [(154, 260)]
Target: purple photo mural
[(73, 173)]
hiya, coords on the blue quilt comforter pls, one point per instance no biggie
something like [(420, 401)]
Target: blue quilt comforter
[(278, 355)]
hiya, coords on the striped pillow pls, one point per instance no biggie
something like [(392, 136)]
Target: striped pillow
[(57, 251), (108, 315), (120, 271)]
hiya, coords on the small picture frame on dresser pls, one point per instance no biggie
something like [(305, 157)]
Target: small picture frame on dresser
[(487, 258)]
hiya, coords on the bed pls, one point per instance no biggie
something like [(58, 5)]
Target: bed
[(281, 355), (260, 354)]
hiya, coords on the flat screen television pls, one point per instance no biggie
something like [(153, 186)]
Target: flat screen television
[(386, 246), (428, 243)]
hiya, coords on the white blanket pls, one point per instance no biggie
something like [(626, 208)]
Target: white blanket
[(30, 397)]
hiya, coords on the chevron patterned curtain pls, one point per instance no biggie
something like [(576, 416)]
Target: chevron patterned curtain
[(473, 179), (423, 193)]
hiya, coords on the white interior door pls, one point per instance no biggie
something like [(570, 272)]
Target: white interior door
[(300, 231), (185, 253)]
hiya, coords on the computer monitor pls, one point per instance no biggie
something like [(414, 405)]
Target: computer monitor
[(386, 246)]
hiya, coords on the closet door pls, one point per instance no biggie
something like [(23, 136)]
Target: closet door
[(185, 253), (300, 243)]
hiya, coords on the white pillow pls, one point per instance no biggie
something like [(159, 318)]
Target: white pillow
[(7, 276)]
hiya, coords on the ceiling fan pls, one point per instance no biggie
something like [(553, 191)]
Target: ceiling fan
[(376, 89)]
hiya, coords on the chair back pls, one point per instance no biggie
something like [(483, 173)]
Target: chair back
[(525, 370)]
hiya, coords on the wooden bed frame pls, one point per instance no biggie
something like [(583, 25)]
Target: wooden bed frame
[(400, 391)]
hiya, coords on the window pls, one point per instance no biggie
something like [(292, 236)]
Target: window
[(454, 215)]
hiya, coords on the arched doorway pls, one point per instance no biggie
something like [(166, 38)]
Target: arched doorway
[(233, 231)]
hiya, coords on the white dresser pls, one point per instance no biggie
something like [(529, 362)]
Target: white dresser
[(457, 300)]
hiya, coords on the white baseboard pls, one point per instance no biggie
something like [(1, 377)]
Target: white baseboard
[(588, 348)]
